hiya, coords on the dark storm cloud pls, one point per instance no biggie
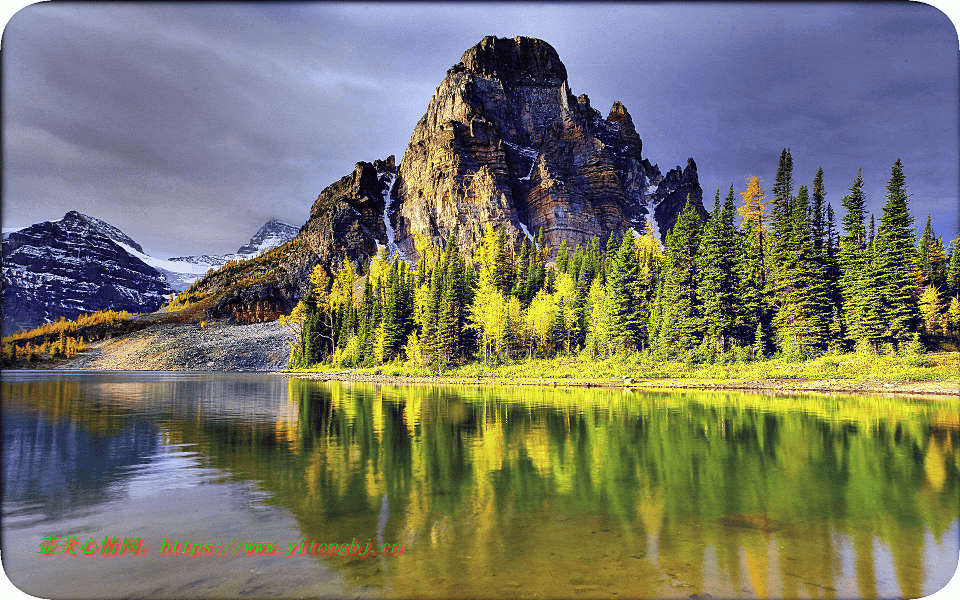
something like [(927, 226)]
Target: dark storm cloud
[(189, 125)]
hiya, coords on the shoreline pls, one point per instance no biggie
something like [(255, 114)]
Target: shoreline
[(938, 389)]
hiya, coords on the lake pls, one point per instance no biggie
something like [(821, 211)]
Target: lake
[(476, 492)]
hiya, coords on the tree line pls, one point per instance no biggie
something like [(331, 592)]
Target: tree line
[(780, 279)]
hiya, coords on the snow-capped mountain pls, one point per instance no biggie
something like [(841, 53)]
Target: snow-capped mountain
[(80, 264), (71, 266), (181, 271)]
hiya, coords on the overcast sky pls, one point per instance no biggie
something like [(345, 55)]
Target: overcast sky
[(188, 126)]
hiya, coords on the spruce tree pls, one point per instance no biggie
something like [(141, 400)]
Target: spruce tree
[(781, 216), (800, 321), (896, 262), (682, 327), (563, 257), (854, 259), (621, 298), (923, 253), (818, 216), (953, 269), (716, 287)]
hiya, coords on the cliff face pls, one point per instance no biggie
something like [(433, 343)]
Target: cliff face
[(505, 141)]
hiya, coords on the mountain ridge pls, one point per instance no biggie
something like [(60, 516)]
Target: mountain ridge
[(81, 264)]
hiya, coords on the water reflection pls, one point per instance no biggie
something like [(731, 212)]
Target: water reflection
[(505, 492)]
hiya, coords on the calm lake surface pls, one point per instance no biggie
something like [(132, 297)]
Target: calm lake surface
[(492, 492)]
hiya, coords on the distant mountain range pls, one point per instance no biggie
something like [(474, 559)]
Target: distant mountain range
[(80, 264)]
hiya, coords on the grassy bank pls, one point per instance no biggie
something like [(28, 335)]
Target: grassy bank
[(845, 372)]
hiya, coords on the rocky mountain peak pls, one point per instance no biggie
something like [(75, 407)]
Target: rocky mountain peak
[(505, 141), (80, 223), (272, 234), (74, 265), (517, 61)]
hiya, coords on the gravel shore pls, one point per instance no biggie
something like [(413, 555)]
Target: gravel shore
[(219, 346)]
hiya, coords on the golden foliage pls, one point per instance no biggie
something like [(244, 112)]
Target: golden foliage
[(754, 207)]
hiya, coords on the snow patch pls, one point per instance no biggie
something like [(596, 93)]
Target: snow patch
[(532, 153), (175, 266), (652, 219), (392, 247)]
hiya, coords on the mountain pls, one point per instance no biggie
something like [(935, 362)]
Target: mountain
[(503, 141), (80, 264), (272, 234), (182, 271), (72, 266)]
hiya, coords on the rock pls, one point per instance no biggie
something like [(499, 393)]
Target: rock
[(504, 141), (671, 196)]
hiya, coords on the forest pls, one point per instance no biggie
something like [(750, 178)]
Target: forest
[(766, 275)]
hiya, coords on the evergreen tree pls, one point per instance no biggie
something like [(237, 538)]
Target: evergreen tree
[(521, 282), (818, 216), (752, 313), (895, 261), (682, 326), (795, 318), (855, 272), (717, 285), (953, 270), (923, 254), (781, 216), (938, 264), (621, 298), (563, 257), (451, 307)]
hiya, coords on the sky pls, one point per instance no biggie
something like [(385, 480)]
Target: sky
[(188, 126)]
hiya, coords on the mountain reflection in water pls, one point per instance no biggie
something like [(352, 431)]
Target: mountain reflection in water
[(492, 491)]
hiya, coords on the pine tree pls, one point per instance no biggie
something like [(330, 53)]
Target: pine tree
[(621, 298), (781, 216), (716, 288), (799, 319), (563, 257), (854, 261), (682, 327), (818, 216), (938, 264), (895, 261), (521, 281), (953, 270), (923, 254), (753, 311)]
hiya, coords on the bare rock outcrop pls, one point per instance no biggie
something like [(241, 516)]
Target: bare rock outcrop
[(505, 141)]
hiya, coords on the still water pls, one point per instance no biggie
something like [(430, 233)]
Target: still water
[(491, 492)]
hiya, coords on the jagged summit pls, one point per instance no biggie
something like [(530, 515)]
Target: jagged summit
[(504, 141), (518, 61), (271, 235)]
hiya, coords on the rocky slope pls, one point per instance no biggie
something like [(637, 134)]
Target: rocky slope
[(189, 347), (72, 266), (503, 141)]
